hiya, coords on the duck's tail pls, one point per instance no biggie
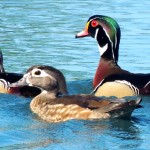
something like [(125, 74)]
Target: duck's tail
[(120, 108), (124, 109)]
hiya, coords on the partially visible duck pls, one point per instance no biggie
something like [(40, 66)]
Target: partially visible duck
[(7, 78), (110, 79), (51, 106)]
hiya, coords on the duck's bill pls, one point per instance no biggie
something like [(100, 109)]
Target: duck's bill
[(83, 33), (21, 83)]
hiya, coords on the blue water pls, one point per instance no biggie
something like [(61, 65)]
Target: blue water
[(42, 32)]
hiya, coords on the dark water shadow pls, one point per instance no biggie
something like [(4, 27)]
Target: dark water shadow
[(80, 86)]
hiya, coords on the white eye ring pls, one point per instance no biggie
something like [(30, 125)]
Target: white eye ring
[(41, 73), (36, 72)]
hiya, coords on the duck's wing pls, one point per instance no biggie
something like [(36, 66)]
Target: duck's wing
[(93, 102), (114, 107), (138, 80), (139, 83)]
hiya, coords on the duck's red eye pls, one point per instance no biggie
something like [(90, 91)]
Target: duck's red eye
[(94, 23)]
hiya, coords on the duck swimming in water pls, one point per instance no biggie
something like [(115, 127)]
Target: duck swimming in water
[(110, 79), (6, 78), (52, 105)]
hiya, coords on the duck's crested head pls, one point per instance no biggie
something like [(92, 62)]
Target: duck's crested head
[(106, 31), (44, 77), (108, 24)]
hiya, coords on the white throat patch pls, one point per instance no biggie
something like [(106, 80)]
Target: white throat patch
[(103, 49)]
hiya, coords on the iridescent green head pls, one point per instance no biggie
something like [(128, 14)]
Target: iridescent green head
[(107, 33)]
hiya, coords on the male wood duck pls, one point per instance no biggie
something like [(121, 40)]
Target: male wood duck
[(51, 106), (7, 78), (110, 79)]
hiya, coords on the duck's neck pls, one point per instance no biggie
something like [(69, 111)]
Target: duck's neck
[(1, 63), (105, 68), (43, 98)]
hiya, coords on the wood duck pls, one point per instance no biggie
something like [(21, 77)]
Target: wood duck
[(7, 78), (51, 106), (110, 79)]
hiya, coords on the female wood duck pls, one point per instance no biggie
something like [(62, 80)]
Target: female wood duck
[(7, 78), (51, 106), (110, 79)]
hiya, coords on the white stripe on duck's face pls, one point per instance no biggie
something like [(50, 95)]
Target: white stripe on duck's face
[(39, 78), (41, 73)]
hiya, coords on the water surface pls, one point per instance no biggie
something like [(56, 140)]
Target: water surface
[(42, 32)]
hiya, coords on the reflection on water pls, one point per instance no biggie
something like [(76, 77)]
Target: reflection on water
[(42, 32), (126, 132)]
